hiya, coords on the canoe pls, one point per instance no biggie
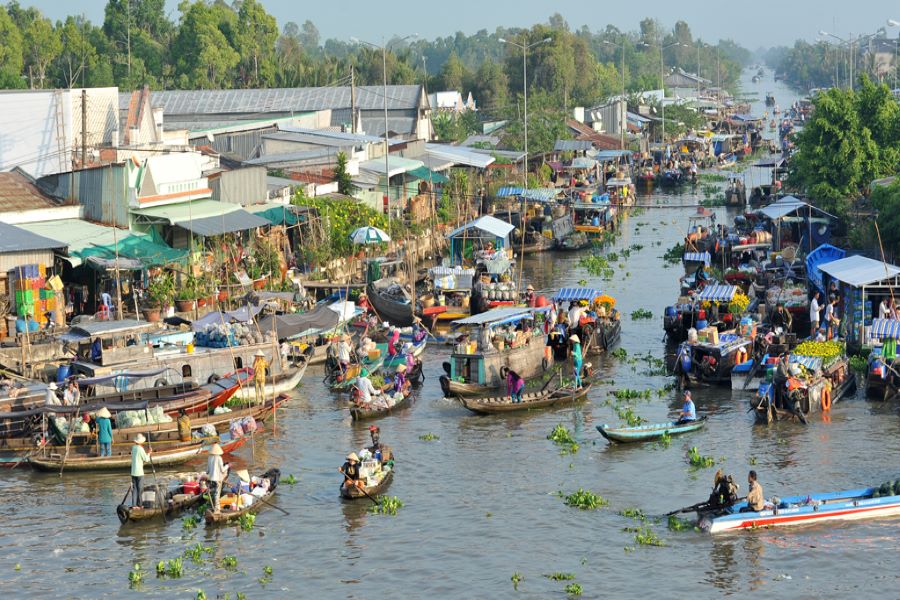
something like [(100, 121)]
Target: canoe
[(643, 433), (359, 413), (176, 501), (222, 517), (120, 462), (387, 308), (453, 388), (354, 493), (279, 384), (806, 509), (545, 399)]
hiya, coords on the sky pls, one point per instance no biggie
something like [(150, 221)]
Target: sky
[(761, 23)]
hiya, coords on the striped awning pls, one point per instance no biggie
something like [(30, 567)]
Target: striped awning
[(508, 191), (718, 293), (885, 328), (697, 257), (813, 363), (570, 294), (443, 271), (535, 194)]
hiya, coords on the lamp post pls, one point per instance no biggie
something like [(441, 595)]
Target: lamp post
[(387, 147), (525, 48), (623, 123), (662, 80)]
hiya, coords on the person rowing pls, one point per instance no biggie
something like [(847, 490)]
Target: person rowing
[(688, 412)]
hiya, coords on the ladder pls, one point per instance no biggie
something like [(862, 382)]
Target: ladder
[(61, 131)]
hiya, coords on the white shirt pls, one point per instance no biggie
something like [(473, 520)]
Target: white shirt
[(814, 310), (884, 311), (343, 351), (71, 397), (215, 468), (575, 316), (829, 312), (366, 389)]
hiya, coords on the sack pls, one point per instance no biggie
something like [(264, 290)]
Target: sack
[(249, 424)]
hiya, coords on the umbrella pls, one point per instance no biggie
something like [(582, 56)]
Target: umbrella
[(369, 235)]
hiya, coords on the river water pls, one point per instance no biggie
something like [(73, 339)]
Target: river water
[(481, 503)]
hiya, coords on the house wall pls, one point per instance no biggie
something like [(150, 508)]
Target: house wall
[(241, 186), (102, 193)]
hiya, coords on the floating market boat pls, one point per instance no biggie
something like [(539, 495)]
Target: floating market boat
[(808, 509), (226, 515), (815, 385), (882, 378), (374, 490), (599, 328), (643, 433), (342, 382), (279, 383), (711, 358), (79, 461), (186, 494), (541, 399), (361, 413), (474, 368)]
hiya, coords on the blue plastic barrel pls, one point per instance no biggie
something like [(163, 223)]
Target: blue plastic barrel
[(62, 373), (702, 324), (670, 311)]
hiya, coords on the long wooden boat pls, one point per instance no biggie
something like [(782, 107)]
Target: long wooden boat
[(162, 457), (219, 518), (806, 509), (542, 399), (346, 381), (361, 413), (176, 500), (280, 383), (355, 493), (395, 313), (643, 433)]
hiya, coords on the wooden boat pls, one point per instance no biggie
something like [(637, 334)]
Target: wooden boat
[(542, 399), (279, 383), (79, 461), (225, 516), (338, 382), (599, 328), (360, 413), (711, 363), (355, 493), (577, 240), (807, 509), (175, 501), (389, 308), (825, 389), (643, 433)]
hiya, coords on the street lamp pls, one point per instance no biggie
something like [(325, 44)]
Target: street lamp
[(387, 147), (525, 48), (662, 80), (623, 124)]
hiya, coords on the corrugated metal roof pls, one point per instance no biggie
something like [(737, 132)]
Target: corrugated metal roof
[(572, 145), (280, 100), (396, 125), (16, 239), (17, 193), (396, 164), (77, 234), (187, 211), (291, 157), (858, 271), (239, 220), (486, 223), (459, 155), (327, 134)]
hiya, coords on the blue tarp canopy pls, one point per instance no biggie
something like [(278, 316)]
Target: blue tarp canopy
[(697, 257), (500, 316), (570, 294), (536, 194), (746, 117), (717, 293), (608, 155), (885, 329), (244, 314), (486, 223), (822, 255), (582, 162), (813, 363)]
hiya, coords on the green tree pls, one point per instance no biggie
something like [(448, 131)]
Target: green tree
[(344, 181), (78, 56), (206, 58), (491, 88), (453, 74), (256, 32), (886, 201), (42, 46), (11, 61), (309, 35)]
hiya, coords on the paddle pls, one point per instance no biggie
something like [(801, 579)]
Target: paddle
[(263, 500), (159, 501), (363, 490)]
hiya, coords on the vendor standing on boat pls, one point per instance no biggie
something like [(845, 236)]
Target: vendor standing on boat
[(577, 359), (184, 426), (365, 388), (782, 318), (756, 500), (218, 473), (343, 352), (515, 385), (529, 296), (138, 457), (815, 311), (260, 367), (104, 431), (688, 412)]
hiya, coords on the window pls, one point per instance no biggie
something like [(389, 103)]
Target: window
[(238, 362), (186, 372)]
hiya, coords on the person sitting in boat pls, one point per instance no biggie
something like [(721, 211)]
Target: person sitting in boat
[(350, 470), (756, 500), (380, 452), (138, 457), (782, 318), (363, 302), (724, 492), (489, 250), (688, 412), (96, 351), (400, 381), (700, 277), (393, 342), (365, 388), (419, 332), (515, 385)]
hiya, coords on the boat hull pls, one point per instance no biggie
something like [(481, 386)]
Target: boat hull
[(282, 383), (500, 404), (627, 435)]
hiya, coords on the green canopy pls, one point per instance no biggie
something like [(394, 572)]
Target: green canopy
[(428, 175), (138, 247), (279, 215)]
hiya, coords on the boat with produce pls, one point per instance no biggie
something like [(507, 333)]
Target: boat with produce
[(507, 337), (359, 412), (338, 381), (80, 460), (882, 374), (644, 433), (547, 398), (374, 484), (234, 506), (187, 493), (808, 509), (711, 358), (594, 218), (600, 327)]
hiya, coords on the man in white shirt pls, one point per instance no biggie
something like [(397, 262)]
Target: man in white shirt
[(343, 352), (365, 387), (884, 309), (814, 310), (72, 395)]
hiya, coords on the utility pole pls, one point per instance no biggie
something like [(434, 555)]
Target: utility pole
[(128, 33), (83, 128), (352, 101)]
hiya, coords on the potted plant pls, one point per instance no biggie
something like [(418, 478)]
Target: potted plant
[(160, 292), (186, 300)]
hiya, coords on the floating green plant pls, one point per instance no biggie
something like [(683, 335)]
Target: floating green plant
[(584, 499), (387, 505), (429, 437)]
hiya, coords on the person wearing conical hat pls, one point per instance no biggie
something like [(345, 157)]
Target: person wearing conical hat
[(529, 295), (577, 359), (400, 381), (104, 431), (350, 470), (138, 457), (217, 471), (260, 368)]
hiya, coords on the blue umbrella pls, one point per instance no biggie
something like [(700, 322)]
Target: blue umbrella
[(369, 235)]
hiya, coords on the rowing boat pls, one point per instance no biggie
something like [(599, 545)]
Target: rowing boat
[(643, 433), (541, 399), (174, 455), (280, 383), (849, 505), (224, 516), (360, 413), (176, 500), (355, 493)]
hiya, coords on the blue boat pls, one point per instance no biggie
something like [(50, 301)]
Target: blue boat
[(643, 433), (864, 503)]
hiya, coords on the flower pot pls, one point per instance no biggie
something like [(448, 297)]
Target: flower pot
[(201, 302), (185, 305), (152, 315)]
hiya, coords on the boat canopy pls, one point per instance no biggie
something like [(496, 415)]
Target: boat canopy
[(108, 328), (244, 314), (859, 271), (697, 257), (618, 182), (885, 329), (534, 194), (487, 224), (570, 294), (822, 255), (291, 326), (121, 379), (501, 316), (717, 293)]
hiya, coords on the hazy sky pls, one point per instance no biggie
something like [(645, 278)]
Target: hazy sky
[(753, 24)]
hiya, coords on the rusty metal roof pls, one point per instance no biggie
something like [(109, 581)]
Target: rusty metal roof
[(18, 193)]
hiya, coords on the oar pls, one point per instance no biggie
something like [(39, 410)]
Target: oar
[(687, 509), (363, 490), (752, 372), (263, 500)]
